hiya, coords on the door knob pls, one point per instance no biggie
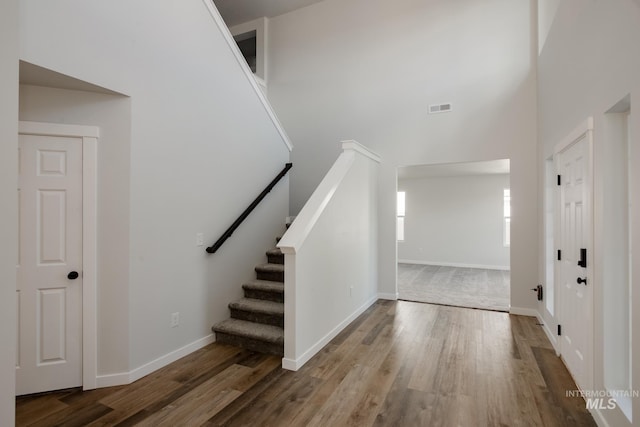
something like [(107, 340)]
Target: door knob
[(581, 280), (73, 275)]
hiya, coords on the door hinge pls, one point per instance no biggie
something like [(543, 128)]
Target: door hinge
[(559, 180), (559, 330), (559, 255)]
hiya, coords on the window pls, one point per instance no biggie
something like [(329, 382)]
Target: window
[(400, 216), (506, 225)]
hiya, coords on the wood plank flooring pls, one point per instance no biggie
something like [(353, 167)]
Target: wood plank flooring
[(399, 364)]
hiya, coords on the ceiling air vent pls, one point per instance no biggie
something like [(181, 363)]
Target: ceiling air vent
[(439, 108)]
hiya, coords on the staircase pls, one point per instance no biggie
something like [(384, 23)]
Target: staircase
[(257, 320)]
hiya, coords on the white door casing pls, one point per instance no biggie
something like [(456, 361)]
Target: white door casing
[(575, 279), (56, 345)]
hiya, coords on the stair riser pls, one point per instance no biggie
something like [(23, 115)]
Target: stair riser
[(250, 344), (270, 275), (252, 316), (264, 295), (275, 259)]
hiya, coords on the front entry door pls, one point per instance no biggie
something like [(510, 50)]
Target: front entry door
[(576, 290), (49, 285)]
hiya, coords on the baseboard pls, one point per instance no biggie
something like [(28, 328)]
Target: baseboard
[(387, 296), (455, 264), (295, 364), (144, 370), (599, 418), (553, 339), (168, 358), (521, 311), (112, 380)]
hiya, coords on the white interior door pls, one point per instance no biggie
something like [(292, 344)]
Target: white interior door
[(576, 288), (49, 298)]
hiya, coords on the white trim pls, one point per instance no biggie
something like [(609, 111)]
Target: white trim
[(112, 380), (134, 375), (295, 237), (89, 262), (294, 365), (550, 336), (350, 144), (455, 264), (169, 358), (89, 135), (388, 296), (224, 30), (522, 311), (599, 418), (55, 129), (573, 136)]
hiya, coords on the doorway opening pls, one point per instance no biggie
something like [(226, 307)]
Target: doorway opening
[(617, 271), (454, 234)]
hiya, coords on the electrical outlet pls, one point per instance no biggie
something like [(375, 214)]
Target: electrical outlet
[(175, 319), (199, 239)]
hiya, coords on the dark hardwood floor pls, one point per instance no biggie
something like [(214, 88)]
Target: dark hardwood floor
[(399, 364)]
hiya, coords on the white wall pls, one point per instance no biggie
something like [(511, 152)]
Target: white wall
[(202, 146), (455, 220), (9, 206), (546, 14), (368, 70), (112, 114), (590, 62), (330, 256)]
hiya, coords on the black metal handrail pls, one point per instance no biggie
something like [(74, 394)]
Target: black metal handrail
[(212, 249)]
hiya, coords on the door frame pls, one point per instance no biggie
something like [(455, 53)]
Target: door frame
[(584, 130), (89, 136)]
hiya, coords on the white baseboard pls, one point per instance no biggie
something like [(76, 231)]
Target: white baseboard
[(521, 311), (295, 364), (550, 335), (134, 375), (387, 296), (112, 380), (598, 417), (455, 264)]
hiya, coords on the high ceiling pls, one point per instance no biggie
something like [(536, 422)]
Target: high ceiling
[(238, 11)]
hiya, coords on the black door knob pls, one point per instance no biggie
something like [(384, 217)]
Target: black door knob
[(581, 280), (73, 275)]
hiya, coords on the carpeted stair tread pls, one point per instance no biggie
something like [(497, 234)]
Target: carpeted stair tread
[(275, 256), (258, 306), (274, 251), (265, 285), (251, 330), (270, 268), (257, 320), (264, 290), (270, 271)]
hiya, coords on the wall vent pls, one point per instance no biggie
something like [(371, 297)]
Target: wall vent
[(439, 108)]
